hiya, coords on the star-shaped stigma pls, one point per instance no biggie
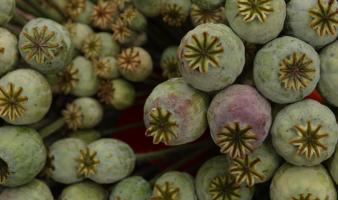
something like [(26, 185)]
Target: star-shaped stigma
[(73, 116), (303, 197), (244, 170), (324, 17), (129, 15), (101, 66), (308, 140), (129, 59), (296, 71), (170, 67), (203, 51), (87, 162), (165, 192), (162, 126), (235, 140), (103, 14), (68, 79), (224, 188), (39, 45), (252, 9), (172, 14), (201, 16), (121, 31), (12, 102), (4, 172), (74, 8), (106, 92), (92, 46)]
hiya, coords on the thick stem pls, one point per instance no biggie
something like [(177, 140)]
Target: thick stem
[(44, 12), (4, 171), (122, 128), (13, 28), (27, 8), (25, 15), (52, 128), (19, 19)]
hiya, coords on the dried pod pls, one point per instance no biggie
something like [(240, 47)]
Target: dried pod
[(106, 67), (150, 8), (45, 45), (211, 57), (18, 146), (175, 12), (84, 191), (313, 21), (302, 183), (78, 33), (8, 50), (239, 119), (132, 188), (208, 4), (213, 182), (305, 133), (201, 16), (7, 10), (36, 190), (174, 185), (175, 113), (170, 63), (100, 45), (286, 70)]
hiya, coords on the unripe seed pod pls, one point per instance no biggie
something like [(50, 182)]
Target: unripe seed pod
[(106, 161), (35, 190), (63, 156), (25, 97), (239, 119), (175, 12), (8, 51), (175, 113), (118, 93), (100, 45), (88, 135), (200, 16), (292, 182), (104, 13), (45, 45), (132, 188), (313, 21), (122, 33), (208, 4), (150, 8), (135, 64), (17, 146), (84, 112), (79, 10), (213, 182), (328, 73), (170, 63), (305, 133), (106, 67), (7, 10), (205, 58), (134, 19), (84, 191), (78, 33), (174, 185), (286, 70)]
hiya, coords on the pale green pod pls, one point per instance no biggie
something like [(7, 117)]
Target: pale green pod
[(305, 133), (63, 155), (84, 191), (174, 185), (88, 135), (116, 160), (213, 180), (150, 8), (175, 12), (328, 81), (175, 113), (31, 93), (313, 21), (18, 147), (286, 70), (217, 62), (45, 45), (135, 64), (106, 67), (8, 51), (87, 81), (132, 188), (117, 93), (35, 190), (292, 182), (85, 15), (256, 23), (170, 63), (7, 10), (78, 33), (208, 4), (100, 45), (134, 19)]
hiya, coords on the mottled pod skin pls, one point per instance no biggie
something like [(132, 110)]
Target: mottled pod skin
[(135, 64), (305, 133), (170, 63), (329, 71), (78, 33), (6, 11), (63, 164), (292, 182), (31, 93), (286, 70), (150, 8), (239, 111), (45, 45), (132, 188), (35, 190), (256, 23), (217, 62), (84, 191), (116, 160), (106, 67), (8, 51), (313, 21), (208, 4), (174, 185), (87, 135), (213, 180), (17, 146), (100, 45), (181, 108)]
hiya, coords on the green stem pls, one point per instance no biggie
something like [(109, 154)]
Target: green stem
[(19, 19), (122, 128), (52, 128), (44, 12), (27, 8)]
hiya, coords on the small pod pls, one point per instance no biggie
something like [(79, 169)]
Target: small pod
[(170, 63), (200, 16), (208, 4), (78, 33), (132, 188), (106, 67), (7, 10), (175, 12), (134, 19), (84, 191), (8, 51), (100, 45), (76, 10), (150, 8), (104, 13)]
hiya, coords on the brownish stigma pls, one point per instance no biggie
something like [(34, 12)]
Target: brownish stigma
[(92, 47), (201, 16), (165, 192), (252, 9), (87, 162), (4, 172), (171, 67), (129, 59), (121, 31), (74, 8), (103, 14), (68, 79), (224, 188), (101, 66), (73, 116), (129, 15), (106, 92), (306, 197), (172, 14)]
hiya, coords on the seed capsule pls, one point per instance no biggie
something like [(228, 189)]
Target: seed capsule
[(132, 188), (78, 33), (84, 191), (8, 51), (6, 11)]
